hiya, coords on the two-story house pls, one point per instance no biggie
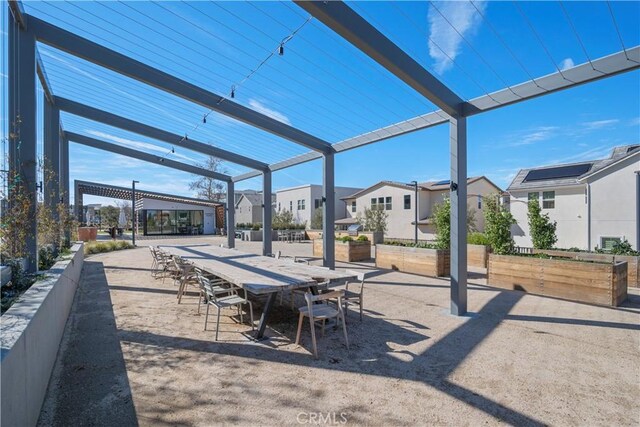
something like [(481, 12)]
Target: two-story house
[(398, 200), (594, 203), (303, 200), (249, 208)]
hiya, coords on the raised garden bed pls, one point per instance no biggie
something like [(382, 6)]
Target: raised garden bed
[(478, 255), (346, 251), (87, 234), (633, 262), (374, 237), (603, 283), (427, 262)]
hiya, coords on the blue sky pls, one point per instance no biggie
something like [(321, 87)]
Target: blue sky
[(326, 87)]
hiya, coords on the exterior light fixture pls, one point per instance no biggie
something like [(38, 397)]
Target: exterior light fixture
[(233, 91), (281, 49)]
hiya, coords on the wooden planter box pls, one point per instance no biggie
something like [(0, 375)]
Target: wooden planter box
[(478, 255), (87, 234), (633, 262), (590, 282), (346, 251), (374, 237), (427, 262)]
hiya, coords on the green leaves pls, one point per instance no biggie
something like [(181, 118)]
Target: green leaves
[(542, 230), (497, 226)]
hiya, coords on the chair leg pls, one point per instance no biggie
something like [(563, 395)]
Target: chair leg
[(206, 317), (218, 324), (344, 328), (300, 320), (240, 311), (199, 300), (251, 315), (361, 309), (313, 337)]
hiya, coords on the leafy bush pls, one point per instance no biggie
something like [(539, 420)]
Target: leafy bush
[(373, 220), (345, 239), (362, 238), (256, 227), (623, 248), (497, 228), (316, 221), (422, 245), (46, 257), (100, 247), (477, 238), (543, 231), (442, 222)]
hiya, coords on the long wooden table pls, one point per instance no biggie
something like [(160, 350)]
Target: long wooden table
[(256, 274)]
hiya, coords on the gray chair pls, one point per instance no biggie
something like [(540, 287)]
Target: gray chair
[(224, 299)]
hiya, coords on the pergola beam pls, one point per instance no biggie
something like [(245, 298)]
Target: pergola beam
[(120, 122), (122, 64), (146, 157), (607, 66), (356, 30)]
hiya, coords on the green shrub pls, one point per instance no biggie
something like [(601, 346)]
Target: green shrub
[(346, 239), (623, 248), (100, 247), (477, 239), (498, 222), (363, 238), (256, 227), (542, 229), (46, 257), (421, 245)]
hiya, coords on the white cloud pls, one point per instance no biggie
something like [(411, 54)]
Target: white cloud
[(538, 134), (566, 64), (634, 122), (261, 108), (444, 41), (137, 144), (600, 124)]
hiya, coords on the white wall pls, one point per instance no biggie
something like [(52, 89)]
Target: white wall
[(570, 214), (30, 334), (613, 202), (209, 211), (248, 213), (399, 221), (309, 193)]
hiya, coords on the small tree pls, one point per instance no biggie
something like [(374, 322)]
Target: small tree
[(206, 187), (543, 231), (109, 216), (316, 221), (373, 220), (282, 220), (497, 226), (442, 221)]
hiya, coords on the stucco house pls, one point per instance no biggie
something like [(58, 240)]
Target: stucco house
[(594, 203), (305, 199), (397, 199), (249, 209)]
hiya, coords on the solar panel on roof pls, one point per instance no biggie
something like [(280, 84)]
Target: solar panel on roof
[(443, 182), (572, 171)]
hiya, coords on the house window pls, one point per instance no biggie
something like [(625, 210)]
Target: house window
[(407, 201), (291, 206), (374, 203), (353, 206), (317, 203), (388, 204), (607, 243), (533, 196), (278, 206), (479, 201), (301, 204), (548, 199)]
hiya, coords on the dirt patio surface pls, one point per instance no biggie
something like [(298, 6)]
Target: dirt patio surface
[(132, 356)]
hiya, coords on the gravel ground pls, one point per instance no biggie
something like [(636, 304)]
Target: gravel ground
[(131, 355)]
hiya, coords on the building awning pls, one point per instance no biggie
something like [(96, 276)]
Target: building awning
[(346, 221), (423, 221)]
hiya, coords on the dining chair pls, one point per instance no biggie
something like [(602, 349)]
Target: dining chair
[(320, 313), (224, 299), (355, 295), (216, 283)]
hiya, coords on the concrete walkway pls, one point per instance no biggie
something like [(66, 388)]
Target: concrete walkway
[(132, 355)]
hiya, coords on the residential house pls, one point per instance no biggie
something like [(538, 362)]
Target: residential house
[(249, 209), (398, 200), (305, 199), (594, 203)]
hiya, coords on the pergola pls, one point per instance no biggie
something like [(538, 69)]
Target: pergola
[(25, 65)]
